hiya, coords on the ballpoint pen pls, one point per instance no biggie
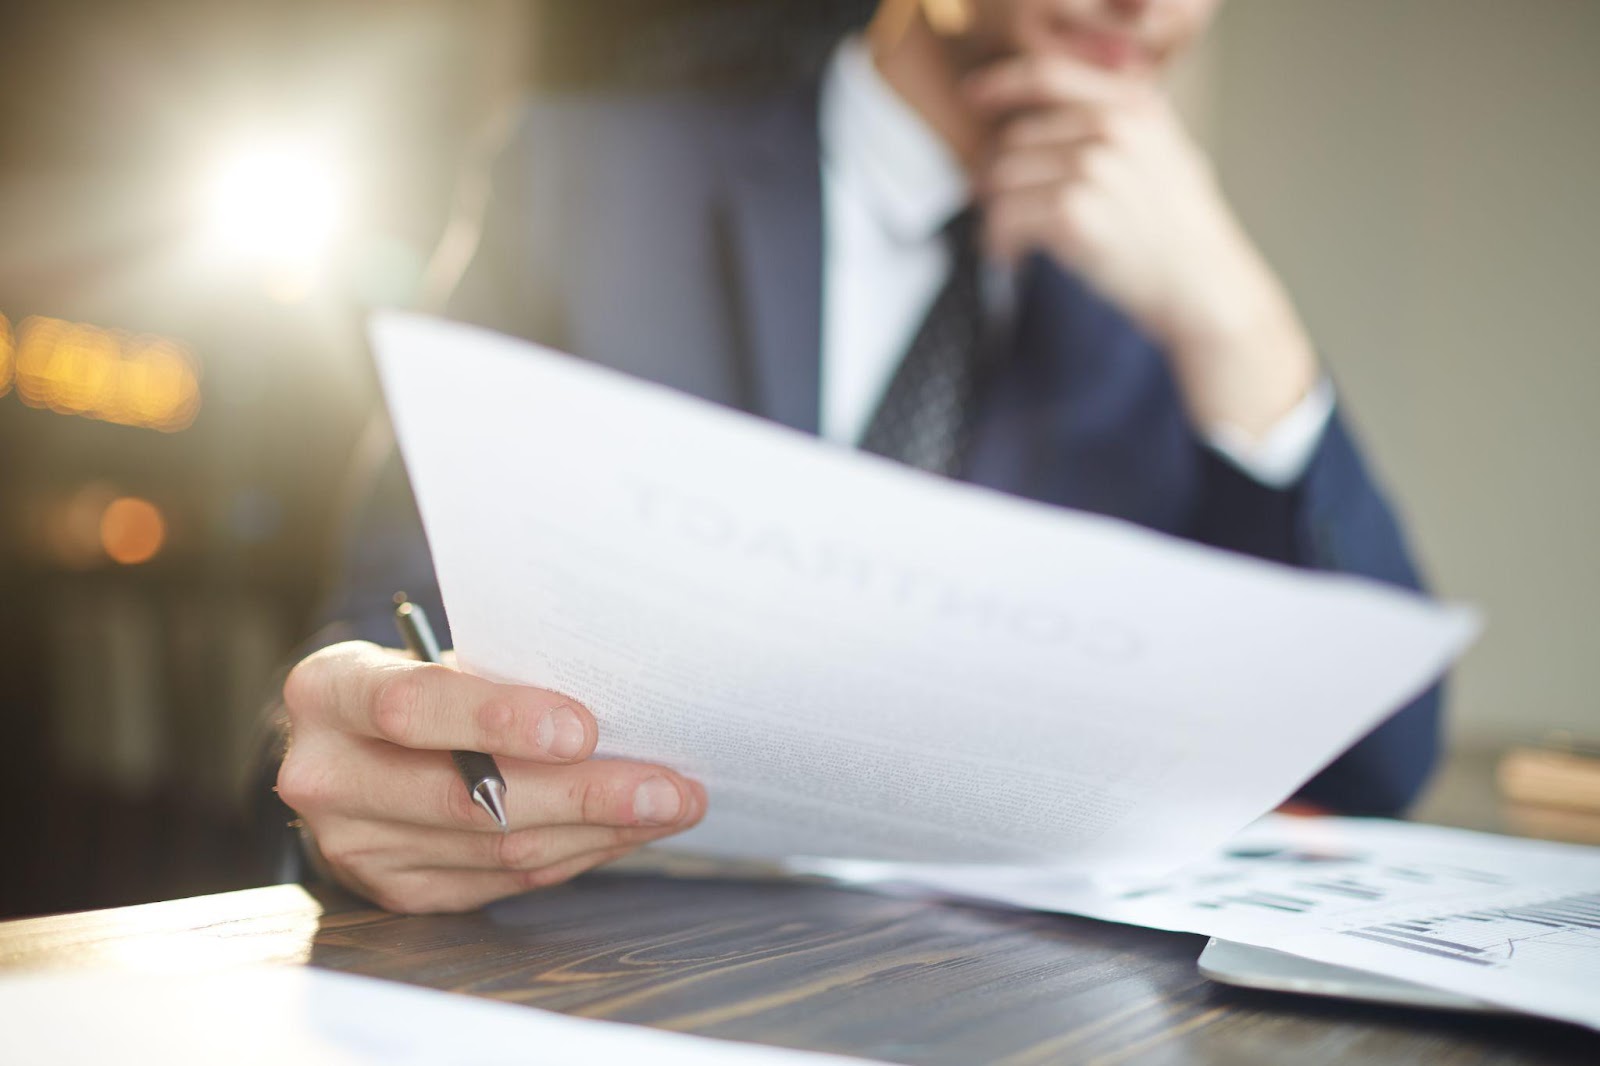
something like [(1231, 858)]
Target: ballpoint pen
[(478, 771)]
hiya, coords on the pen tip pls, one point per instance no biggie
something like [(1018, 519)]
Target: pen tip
[(399, 599), (491, 796)]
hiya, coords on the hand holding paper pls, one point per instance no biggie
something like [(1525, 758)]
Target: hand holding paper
[(861, 660), (370, 776)]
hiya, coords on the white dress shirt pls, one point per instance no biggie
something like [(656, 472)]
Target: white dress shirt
[(889, 186)]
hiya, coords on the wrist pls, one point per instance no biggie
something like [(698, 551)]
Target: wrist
[(1244, 361)]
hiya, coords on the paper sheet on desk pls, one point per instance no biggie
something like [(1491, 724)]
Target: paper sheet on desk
[(1514, 922), (861, 660), (278, 1016)]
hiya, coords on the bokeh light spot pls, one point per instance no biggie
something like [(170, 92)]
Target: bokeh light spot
[(132, 530), (73, 368)]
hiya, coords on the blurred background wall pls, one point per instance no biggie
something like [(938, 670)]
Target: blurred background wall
[(1423, 173), (180, 395)]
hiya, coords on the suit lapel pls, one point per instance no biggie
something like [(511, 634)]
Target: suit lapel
[(775, 222)]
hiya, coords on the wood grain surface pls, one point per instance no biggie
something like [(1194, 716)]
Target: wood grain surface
[(805, 966)]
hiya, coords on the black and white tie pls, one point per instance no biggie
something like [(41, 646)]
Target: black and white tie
[(925, 417)]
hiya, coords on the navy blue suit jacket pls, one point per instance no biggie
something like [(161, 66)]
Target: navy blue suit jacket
[(679, 238)]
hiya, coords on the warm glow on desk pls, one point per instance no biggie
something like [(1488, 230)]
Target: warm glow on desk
[(77, 369)]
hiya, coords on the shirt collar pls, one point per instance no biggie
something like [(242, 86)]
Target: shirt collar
[(911, 181)]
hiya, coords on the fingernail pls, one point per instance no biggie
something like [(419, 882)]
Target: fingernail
[(657, 800), (560, 733)]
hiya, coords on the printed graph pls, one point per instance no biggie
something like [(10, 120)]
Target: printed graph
[(1293, 881), (1493, 936)]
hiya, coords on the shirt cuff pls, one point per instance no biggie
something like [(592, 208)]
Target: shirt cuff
[(1279, 458)]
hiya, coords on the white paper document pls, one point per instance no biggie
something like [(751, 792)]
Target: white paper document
[(862, 660), (1514, 922), (278, 1016)]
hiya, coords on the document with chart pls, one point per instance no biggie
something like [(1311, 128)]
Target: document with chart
[(1514, 922), (861, 660)]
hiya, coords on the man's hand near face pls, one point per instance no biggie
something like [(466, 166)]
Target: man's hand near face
[(369, 772), (1097, 171)]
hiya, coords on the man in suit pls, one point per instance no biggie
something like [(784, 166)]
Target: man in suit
[(980, 243)]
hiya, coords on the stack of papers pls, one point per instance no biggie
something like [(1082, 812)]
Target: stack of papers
[(1512, 922), (861, 660)]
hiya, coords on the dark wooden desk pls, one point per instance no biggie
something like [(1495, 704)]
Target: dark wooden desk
[(805, 966)]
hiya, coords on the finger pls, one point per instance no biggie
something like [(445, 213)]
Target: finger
[(438, 891), (1021, 220), (374, 692), (441, 891), (366, 846), (1034, 81), (1028, 167), (359, 778), (1054, 127)]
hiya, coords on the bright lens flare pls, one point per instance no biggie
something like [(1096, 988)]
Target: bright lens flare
[(280, 204)]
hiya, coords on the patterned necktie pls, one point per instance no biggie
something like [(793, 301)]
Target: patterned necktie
[(925, 417)]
